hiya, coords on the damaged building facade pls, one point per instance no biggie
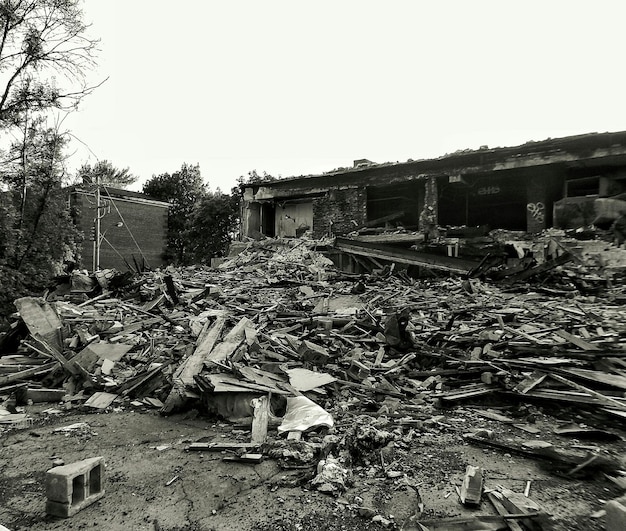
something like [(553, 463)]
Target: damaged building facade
[(524, 188)]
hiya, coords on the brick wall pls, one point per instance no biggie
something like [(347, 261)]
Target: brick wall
[(335, 212), (147, 223)]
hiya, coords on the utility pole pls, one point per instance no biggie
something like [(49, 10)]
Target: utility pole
[(97, 239)]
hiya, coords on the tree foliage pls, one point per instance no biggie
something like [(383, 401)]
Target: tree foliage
[(212, 224), (254, 177), (105, 172), (182, 189), (45, 55), (201, 222), (37, 229)]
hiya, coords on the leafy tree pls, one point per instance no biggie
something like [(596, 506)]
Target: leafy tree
[(38, 233), (42, 43), (107, 174), (45, 55), (213, 223), (183, 190), (254, 177)]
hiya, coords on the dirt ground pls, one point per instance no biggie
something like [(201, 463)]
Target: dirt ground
[(154, 483)]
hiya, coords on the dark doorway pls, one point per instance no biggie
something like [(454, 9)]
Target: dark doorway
[(406, 197), (483, 200), (268, 219)]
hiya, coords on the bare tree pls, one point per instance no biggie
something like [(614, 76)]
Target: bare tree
[(45, 55)]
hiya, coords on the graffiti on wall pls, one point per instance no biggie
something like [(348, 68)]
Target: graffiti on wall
[(488, 190), (537, 211)]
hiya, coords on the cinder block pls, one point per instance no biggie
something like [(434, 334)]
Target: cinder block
[(70, 488), (313, 353), (472, 487), (616, 514), (358, 371)]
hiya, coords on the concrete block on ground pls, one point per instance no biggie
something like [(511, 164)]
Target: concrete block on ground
[(313, 353), (70, 488), (472, 487)]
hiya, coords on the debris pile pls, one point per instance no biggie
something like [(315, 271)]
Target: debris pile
[(334, 374), (582, 260)]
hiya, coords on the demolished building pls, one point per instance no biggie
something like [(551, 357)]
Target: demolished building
[(383, 393), (524, 188)]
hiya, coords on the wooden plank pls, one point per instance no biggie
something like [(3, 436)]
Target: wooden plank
[(68, 365), (370, 389), (258, 377), (390, 238), (37, 395), (602, 398), (600, 377), (516, 502), (109, 351), (260, 419), (527, 428), (542, 268), (245, 458), (100, 400), (502, 511), (28, 373), (381, 221), (523, 334), (571, 397), (184, 375), (577, 341), (492, 415), (530, 382), (220, 446), (465, 523), (205, 345), (231, 342), (466, 392), (225, 383)]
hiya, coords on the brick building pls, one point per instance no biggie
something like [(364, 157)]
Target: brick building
[(515, 188), (133, 227)]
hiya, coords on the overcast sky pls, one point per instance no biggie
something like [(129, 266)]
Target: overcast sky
[(301, 87)]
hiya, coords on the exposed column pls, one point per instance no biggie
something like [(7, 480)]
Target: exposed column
[(429, 215), (536, 204)]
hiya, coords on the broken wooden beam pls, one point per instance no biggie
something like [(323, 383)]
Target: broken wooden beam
[(219, 446), (28, 373), (404, 256), (502, 511), (577, 341), (184, 375), (606, 400), (231, 341), (260, 419)]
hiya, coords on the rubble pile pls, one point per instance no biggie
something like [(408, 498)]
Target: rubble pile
[(582, 260), (335, 374)]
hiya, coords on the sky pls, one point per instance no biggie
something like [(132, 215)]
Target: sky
[(300, 87)]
